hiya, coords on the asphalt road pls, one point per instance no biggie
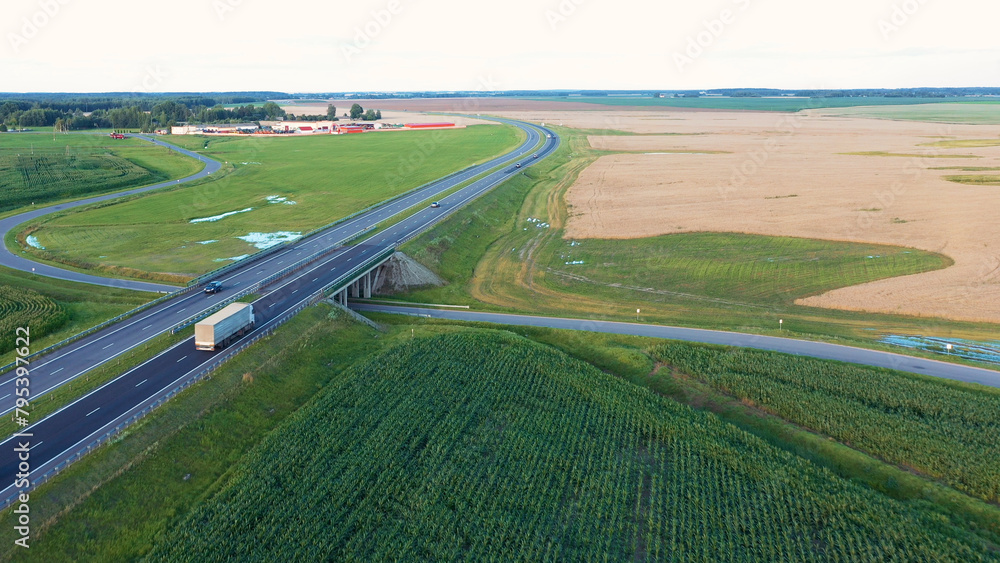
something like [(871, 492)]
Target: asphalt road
[(11, 260), (811, 349), (58, 436)]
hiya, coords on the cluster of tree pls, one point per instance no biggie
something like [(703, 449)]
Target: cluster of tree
[(358, 112), (164, 114)]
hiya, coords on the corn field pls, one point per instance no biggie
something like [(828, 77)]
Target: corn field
[(942, 431), (485, 446), (45, 176), (21, 307)]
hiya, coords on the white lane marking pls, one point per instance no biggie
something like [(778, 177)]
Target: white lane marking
[(93, 411), (57, 371), (5, 396), (182, 310), (314, 279), (108, 346), (271, 305), (147, 326), (141, 382), (35, 446), (293, 293), (182, 359)]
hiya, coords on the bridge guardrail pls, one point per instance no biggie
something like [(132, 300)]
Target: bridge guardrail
[(264, 282)]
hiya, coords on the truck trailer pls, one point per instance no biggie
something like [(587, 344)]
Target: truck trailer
[(218, 330)]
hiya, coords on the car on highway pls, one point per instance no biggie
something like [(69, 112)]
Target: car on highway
[(518, 165), (435, 204), (536, 156), (213, 287)]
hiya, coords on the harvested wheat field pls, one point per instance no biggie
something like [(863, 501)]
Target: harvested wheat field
[(789, 175)]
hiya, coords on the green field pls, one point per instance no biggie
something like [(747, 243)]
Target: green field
[(755, 104), (39, 168), (486, 446), (327, 177), (974, 113), (735, 268)]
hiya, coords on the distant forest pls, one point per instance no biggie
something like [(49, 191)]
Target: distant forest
[(146, 112)]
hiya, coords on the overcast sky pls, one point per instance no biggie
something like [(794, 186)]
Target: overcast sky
[(399, 45)]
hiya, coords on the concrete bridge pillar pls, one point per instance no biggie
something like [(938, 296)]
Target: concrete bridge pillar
[(355, 293), (368, 284)]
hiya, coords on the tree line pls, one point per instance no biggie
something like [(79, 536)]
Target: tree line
[(162, 115)]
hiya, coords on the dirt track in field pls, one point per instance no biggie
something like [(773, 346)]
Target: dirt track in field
[(787, 175)]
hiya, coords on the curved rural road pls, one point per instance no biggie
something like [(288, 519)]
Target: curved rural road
[(812, 349), (11, 260)]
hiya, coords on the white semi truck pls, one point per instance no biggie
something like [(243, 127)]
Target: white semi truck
[(218, 330)]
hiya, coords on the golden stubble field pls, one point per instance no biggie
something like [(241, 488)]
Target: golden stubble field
[(787, 175)]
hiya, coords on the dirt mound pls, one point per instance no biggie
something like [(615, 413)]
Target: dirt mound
[(402, 273)]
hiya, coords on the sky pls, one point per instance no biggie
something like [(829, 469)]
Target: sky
[(414, 45)]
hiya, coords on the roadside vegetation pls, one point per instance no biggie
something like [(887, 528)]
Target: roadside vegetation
[(277, 188), (38, 168)]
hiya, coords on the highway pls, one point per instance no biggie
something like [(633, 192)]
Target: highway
[(59, 436), (63, 364), (808, 348)]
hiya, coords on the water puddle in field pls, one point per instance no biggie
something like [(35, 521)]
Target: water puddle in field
[(233, 259), (280, 199), (33, 242), (218, 217), (968, 349), (263, 241), (206, 241)]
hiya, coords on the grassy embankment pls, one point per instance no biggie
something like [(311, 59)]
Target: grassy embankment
[(174, 468), (495, 259), (327, 177)]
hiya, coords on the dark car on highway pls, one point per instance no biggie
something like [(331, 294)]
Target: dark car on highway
[(213, 287)]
